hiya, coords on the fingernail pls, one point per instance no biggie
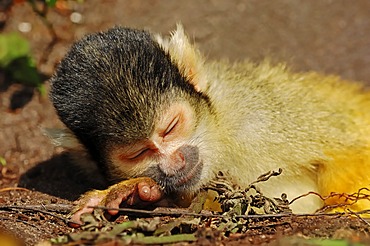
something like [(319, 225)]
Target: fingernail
[(145, 189), (74, 224)]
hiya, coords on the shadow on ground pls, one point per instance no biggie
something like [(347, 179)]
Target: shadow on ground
[(57, 177)]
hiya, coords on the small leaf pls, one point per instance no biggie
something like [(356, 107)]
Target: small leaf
[(167, 228), (165, 239), (119, 228), (42, 89), (50, 3), (268, 175), (12, 46), (197, 204), (2, 161)]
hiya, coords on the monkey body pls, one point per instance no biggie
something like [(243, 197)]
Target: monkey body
[(147, 106), (312, 126)]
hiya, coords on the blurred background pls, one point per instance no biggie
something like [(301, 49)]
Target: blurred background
[(330, 36)]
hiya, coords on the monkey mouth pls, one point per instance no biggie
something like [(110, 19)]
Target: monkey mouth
[(182, 182), (192, 176)]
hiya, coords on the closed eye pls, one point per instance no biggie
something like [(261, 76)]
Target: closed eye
[(171, 126), (137, 154)]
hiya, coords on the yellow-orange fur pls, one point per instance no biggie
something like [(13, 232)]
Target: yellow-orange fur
[(315, 127)]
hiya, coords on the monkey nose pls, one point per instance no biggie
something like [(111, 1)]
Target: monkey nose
[(175, 163)]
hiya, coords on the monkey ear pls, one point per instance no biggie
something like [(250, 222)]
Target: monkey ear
[(63, 138), (78, 155), (186, 57)]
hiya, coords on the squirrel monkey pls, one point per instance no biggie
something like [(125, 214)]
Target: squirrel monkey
[(156, 119)]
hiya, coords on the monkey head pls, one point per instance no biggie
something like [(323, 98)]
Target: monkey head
[(136, 101)]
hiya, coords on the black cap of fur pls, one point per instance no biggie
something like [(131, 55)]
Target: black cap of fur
[(110, 85)]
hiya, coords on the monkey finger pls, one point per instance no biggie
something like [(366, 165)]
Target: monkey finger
[(75, 220), (135, 199), (115, 198), (85, 205), (141, 195), (149, 193)]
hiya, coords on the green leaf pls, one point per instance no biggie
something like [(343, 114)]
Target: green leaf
[(50, 3), (2, 161), (162, 240), (42, 89), (119, 228), (167, 228), (12, 47)]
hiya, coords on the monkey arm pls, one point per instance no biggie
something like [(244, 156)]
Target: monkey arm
[(132, 192)]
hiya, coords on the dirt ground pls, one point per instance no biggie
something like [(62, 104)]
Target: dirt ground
[(331, 37)]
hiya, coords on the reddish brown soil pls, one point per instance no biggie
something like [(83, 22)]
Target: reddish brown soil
[(325, 36)]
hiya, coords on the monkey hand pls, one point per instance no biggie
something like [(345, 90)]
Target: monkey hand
[(137, 191)]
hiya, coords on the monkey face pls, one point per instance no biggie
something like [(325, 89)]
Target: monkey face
[(166, 156)]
